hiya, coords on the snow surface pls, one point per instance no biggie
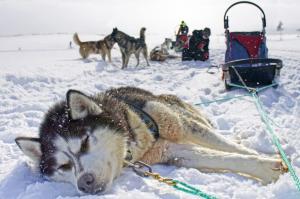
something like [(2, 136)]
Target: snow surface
[(37, 70), (39, 74)]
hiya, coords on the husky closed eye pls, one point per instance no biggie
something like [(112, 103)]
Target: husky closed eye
[(85, 145), (65, 167)]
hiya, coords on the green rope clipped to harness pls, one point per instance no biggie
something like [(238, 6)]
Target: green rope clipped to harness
[(144, 170)]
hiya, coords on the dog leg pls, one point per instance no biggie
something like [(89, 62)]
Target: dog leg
[(83, 53), (109, 55), (126, 60), (137, 56), (264, 169), (123, 59), (200, 134), (103, 55), (174, 125), (145, 53)]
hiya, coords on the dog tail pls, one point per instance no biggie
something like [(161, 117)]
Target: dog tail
[(142, 34), (76, 39)]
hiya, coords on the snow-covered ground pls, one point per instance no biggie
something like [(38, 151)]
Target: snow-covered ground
[(36, 70)]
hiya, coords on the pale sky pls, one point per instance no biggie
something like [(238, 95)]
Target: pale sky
[(100, 16)]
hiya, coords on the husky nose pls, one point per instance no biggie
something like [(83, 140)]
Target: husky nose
[(86, 183)]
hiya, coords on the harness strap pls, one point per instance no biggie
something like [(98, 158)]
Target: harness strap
[(145, 117)]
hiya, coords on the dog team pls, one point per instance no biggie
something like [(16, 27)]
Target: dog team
[(129, 45)]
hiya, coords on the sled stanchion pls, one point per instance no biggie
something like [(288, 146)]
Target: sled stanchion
[(144, 170)]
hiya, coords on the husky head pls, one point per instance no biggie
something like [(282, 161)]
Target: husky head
[(114, 34), (79, 143)]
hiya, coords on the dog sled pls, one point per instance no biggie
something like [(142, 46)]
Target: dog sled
[(246, 58), (180, 43)]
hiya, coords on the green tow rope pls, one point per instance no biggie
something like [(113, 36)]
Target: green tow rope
[(265, 118), (144, 170), (221, 99), (191, 190), (271, 131), (275, 140)]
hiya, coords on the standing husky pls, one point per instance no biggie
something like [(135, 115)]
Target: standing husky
[(130, 45), (102, 47), (85, 140)]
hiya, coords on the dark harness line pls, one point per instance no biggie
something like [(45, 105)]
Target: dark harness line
[(145, 117)]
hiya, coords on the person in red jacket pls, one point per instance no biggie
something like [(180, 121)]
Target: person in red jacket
[(199, 44)]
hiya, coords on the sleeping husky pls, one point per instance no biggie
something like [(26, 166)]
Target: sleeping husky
[(84, 140)]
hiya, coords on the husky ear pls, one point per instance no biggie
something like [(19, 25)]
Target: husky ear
[(81, 105), (31, 147)]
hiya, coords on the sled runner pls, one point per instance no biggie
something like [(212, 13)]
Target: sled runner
[(246, 57)]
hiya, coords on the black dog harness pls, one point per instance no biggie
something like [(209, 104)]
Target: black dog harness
[(145, 117)]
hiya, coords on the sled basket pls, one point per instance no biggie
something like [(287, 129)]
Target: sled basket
[(253, 72), (247, 56)]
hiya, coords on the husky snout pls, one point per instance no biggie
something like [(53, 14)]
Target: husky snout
[(88, 184)]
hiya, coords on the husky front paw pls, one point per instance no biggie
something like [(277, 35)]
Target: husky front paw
[(272, 171), (281, 166)]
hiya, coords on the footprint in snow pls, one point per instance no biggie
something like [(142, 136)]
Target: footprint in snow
[(158, 78), (207, 91), (223, 124)]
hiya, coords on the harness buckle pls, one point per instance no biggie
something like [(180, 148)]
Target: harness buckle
[(141, 168)]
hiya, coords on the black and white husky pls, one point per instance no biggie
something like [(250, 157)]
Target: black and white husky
[(84, 140), (130, 45)]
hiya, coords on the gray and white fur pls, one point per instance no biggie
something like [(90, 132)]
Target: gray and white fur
[(130, 45), (84, 140)]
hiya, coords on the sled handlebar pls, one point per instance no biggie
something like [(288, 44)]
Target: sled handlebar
[(226, 19)]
